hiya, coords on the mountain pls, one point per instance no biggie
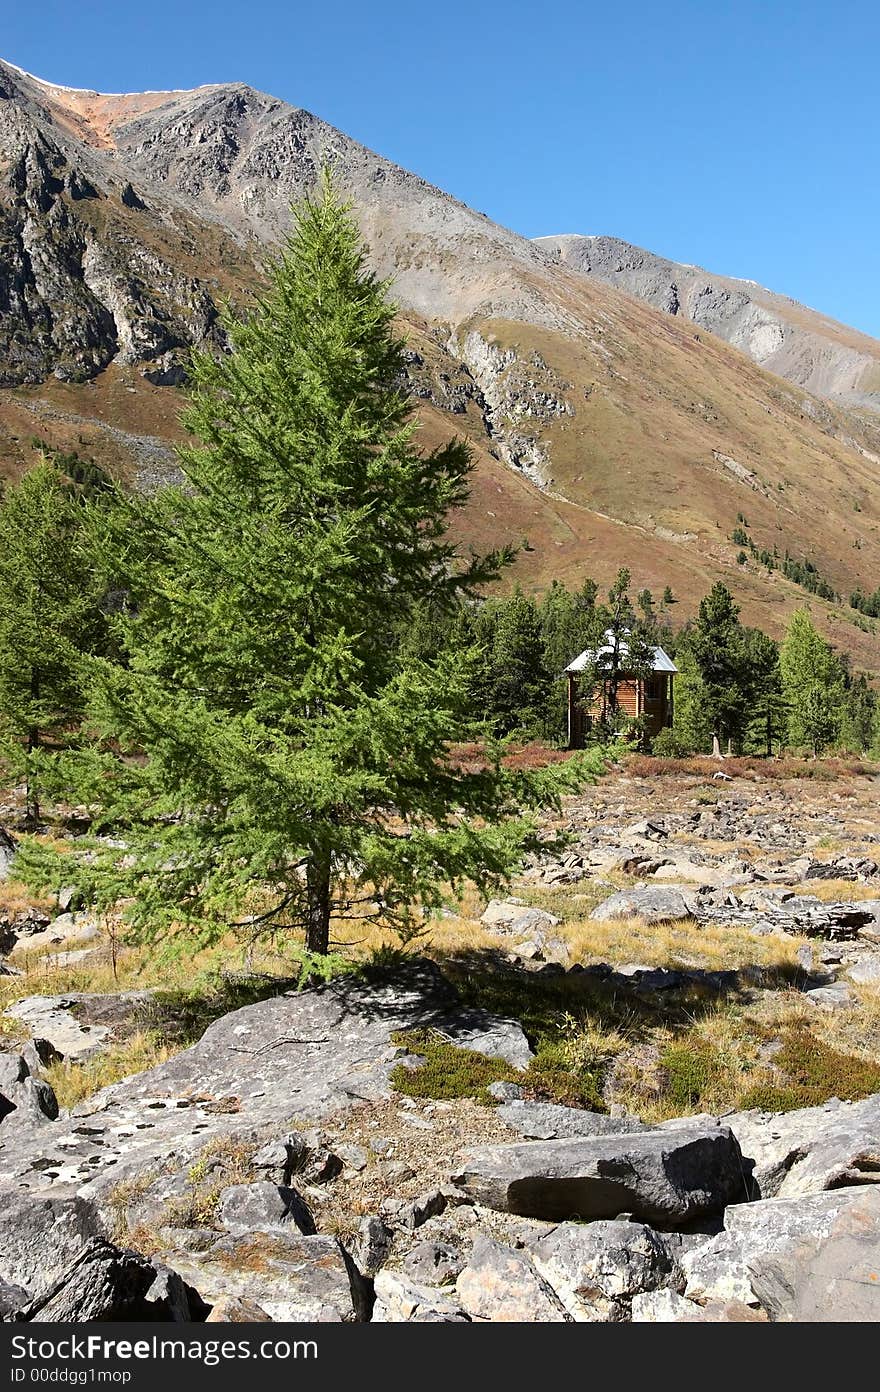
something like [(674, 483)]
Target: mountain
[(808, 349), (605, 430)]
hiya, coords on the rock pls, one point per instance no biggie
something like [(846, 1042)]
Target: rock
[(669, 1176), (764, 1245), (502, 1285), (865, 971), (263, 1207), (70, 900), (665, 1307), (546, 1121), (428, 1205), (80, 1024), (596, 1268), (509, 916), (22, 1095), (829, 1276), (12, 1300), (505, 1092), (399, 1300), (835, 997), (41, 1239), (170, 1298), (811, 1149), (308, 1054), (103, 1283), (8, 847), (291, 1277), (432, 1263), (67, 927), (354, 1157), (282, 1158), (373, 1244), (232, 1309), (654, 904)]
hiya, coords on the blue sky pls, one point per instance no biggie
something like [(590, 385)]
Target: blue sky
[(738, 136)]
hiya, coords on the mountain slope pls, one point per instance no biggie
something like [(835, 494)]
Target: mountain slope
[(808, 349), (605, 431)]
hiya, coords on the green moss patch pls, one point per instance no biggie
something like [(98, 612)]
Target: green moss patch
[(448, 1071), (807, 1072)]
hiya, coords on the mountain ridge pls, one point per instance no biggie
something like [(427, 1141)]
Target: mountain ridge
[(604, 429)]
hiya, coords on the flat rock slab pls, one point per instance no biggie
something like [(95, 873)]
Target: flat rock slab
[(503, 1286), (301, 1279), (811, 1149), (666, 1176), (67, 927), (294, 1057), (80, 1024), (547, 1121), (654, 904)]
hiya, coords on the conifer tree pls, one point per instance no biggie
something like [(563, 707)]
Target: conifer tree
[(812, 684), (274, 755), (717, 643), (50, 613)]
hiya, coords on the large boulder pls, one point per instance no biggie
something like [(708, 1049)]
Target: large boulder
[(291, 1277), (502, 1285), (80, 1023), (670, 1176), (830, 1277), (811, 1149), (799, 1258), (23, 1095), (653, 903), (511, 916), (56, 1264), (596, 1268)]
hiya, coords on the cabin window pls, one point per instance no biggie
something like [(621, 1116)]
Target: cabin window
[(654, 686)]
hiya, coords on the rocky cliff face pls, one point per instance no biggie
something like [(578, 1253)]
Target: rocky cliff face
[(809, 350)]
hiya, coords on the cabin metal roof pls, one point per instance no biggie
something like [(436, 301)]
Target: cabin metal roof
[(590, 657)]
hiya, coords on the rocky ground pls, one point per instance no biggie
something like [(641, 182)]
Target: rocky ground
[(644, 1087)]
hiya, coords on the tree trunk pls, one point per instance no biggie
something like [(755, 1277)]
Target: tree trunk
[(318, 891)]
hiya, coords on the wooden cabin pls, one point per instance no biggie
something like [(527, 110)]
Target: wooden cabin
[(649, 697)]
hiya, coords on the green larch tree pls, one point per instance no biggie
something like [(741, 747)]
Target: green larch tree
[(274, 756), (812, 685)]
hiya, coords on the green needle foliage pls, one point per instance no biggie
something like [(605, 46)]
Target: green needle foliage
[(50, 613), (270, 755)]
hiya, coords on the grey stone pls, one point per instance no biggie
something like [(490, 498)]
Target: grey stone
[(502, 1285), (671, 1176), (8, 848), (40, 1238), (291, 1277), (505, 1092), (596, 1268), (67, 927), (24, 1096), (312, 1053), (811, 1149), (835, 997), (654, 904), (103, 1283), (428, 1205), (80, 1024), (401, 1300), (508, 916), (263, 1207), (762, 1240), (865, 971), (373, 1243), (547, 1121), (829, 1276), (432, 1263)]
